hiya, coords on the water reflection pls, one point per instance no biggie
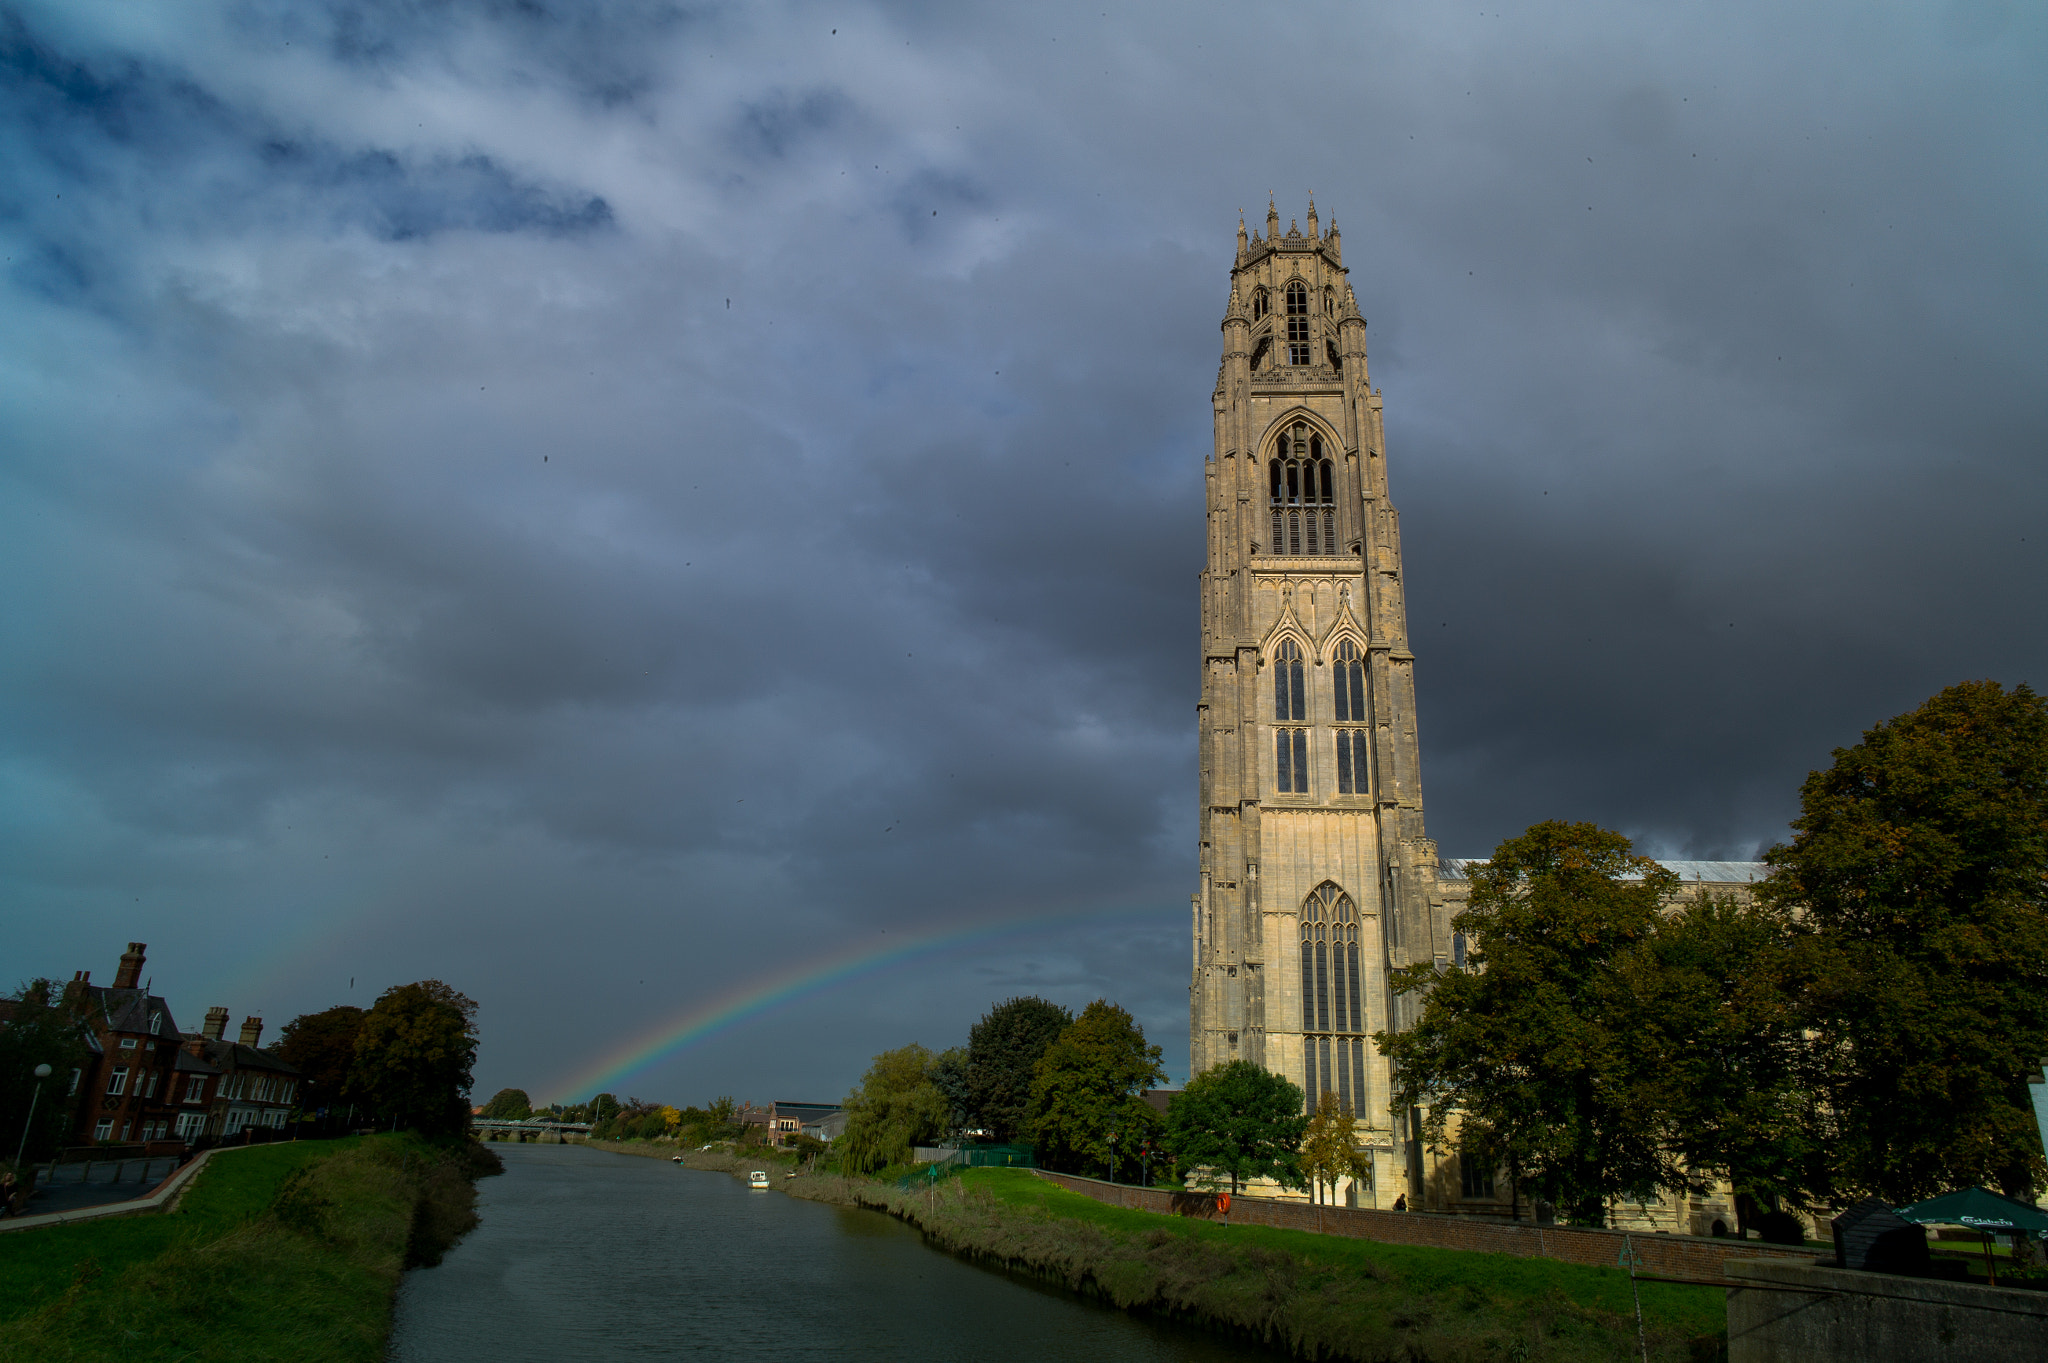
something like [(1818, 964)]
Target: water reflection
[(580, 1250)]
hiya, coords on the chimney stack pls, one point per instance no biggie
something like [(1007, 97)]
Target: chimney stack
[(252, 1031), (130, 973), (216, 1023)]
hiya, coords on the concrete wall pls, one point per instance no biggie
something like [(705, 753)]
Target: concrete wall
[(1831, 1315), (1689, 1257)]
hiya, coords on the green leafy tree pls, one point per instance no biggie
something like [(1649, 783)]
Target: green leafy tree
[(1239, 1121), (414, 1055), (721, 1111), (1920, 862), (322, 1047), (897, 1106), (949, 1072), (1721, 990), (509, 1105), (40, 1028), (603, 1107), (1003, 1051), (1087, 1085), (1538, 1041), (1329, 1148)]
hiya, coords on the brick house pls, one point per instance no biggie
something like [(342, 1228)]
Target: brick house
[(123, 1094), (251, 1087)]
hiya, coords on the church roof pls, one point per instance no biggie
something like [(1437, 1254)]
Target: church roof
[(1710, 872)]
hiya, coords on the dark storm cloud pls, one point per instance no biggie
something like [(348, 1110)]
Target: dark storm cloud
[(599, 503)]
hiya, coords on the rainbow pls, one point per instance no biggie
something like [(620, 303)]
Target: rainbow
[(704, 1019)]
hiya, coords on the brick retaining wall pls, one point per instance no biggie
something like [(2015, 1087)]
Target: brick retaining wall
[(1692, 1258)]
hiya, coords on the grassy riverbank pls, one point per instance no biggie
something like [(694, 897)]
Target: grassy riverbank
[(287, 1252), (1317, 1296)]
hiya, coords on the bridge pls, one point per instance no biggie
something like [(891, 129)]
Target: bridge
[(535, 1124)]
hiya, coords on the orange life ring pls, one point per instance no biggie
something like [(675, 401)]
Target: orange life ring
[(1223, 1203)]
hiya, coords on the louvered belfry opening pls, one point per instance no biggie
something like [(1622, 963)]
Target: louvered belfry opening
[(1302, 488), (1332, 994)]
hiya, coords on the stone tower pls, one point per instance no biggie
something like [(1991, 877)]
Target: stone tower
[(1316, 877)]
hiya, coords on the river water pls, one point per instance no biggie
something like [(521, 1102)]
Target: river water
[(587, 1255)]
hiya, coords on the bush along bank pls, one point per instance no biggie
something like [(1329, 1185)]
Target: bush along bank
[(1308, 1295), (290, 1253)]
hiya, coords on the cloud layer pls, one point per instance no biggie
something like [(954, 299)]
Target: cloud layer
[(594, 503)]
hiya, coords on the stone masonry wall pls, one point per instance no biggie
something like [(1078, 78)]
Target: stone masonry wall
[(1688, 1258)]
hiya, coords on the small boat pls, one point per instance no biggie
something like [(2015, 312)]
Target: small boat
[(757, 1179), (675, 1159)]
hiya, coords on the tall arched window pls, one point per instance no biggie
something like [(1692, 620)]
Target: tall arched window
[(1290, 706), (1348, 675), (1297, 323), (1261, 304), (1332, 996), (1290, 695), (1302, 482)]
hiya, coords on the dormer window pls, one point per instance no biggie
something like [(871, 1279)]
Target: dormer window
[(1297, 323)]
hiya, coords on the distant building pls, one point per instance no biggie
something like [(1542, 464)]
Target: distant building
[(253, 1088), (788, 1119)]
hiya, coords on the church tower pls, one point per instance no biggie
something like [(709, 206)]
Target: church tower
[(1316, 877)]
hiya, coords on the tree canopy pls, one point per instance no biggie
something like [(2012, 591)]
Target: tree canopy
[(896, 1107), (1538, 1043), (322, 1046), (509, 1105), (1087, 1085), (41, 1028), (1919, 861), (414, 1055), (1241, 1121), (1003, 1051)]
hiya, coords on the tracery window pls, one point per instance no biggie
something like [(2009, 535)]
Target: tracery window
[(1290, 694), (1350, 677), (1297, 323), (1261, 304), (1302, 487), (1290, 751), (1352, 762), (1332, 1015)]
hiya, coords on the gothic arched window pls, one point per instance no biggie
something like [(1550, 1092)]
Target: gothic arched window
[(1290, 695), (1348, 674), (1290, 705), (1300, 474), (1297, 323), (1332, 994), (1261, 304)]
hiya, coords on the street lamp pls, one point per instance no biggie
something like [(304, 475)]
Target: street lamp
[(42, 1072), (1112, 1157)]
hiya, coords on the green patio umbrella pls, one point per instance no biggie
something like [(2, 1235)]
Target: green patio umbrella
[(1980, 1209)]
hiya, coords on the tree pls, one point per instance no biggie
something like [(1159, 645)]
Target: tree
[(413, 1057), (509, 1105), (1239, 1120), (949, 1072), (322, 1047), (40, 1028), (1920, 863), (1721, 990), (1329, 1147), (1003, 1051), (1537, 1041), (1087, 1085), (721, 1110), (896, 1107), (603, 1107)]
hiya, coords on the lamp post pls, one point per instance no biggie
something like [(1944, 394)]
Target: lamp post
[(42, 1072), (1112, 1157)]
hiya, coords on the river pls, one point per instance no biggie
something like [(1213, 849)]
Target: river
[(587, 1255)]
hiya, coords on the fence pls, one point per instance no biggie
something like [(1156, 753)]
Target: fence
[(1687, 1258)]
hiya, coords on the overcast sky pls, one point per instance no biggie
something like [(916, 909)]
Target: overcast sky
[(602, 504)]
